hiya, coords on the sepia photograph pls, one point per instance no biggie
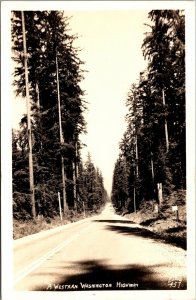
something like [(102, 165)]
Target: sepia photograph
[(98, 149)]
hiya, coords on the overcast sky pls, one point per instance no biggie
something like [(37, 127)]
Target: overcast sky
[(111, 49)]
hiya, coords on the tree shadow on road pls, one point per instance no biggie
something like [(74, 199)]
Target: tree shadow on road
[(95, 274), (114, 221), (145, 233), (138, 231)]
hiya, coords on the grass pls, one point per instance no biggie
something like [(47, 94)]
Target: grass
[(24, 228), (164, 223), (28, 227)]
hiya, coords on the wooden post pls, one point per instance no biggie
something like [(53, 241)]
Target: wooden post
[(156, 208), (175, 209), (84, 209), (61, 139), (160, 193), (177, 216), (28, 104)]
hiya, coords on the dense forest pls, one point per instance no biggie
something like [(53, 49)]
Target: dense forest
[(152, 153), (152, 159), (51, 133)]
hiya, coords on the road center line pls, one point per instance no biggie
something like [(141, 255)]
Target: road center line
[(28, 269)]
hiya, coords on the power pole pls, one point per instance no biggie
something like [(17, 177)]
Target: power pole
[(166, 129), (61, 138), (28, 104)]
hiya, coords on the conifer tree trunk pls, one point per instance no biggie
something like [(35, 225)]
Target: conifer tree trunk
[(37, 92), (75, 177), (74, 184), (136, 174), (61, 139), (136, 157), (166, 129), (134, 199), (31, 177), (152, 167)]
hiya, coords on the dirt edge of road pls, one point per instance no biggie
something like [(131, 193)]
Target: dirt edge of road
[(162, 231), (166, 224)]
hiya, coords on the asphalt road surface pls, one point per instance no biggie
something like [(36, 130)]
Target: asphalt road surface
[(104, 252)]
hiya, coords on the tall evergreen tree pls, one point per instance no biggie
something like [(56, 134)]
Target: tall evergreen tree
[(47, 39), (154, 142)]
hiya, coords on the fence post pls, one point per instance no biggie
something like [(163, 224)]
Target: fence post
[(160, 193)]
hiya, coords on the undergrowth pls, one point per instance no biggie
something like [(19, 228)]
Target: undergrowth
[(165, 222), (23, 228)]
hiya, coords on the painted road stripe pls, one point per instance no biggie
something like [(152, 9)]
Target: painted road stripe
[(28, 269)]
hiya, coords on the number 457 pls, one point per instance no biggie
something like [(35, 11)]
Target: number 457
[(174, 283)]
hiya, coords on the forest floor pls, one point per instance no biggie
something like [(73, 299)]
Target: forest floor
[(28, 227), (164, 223)]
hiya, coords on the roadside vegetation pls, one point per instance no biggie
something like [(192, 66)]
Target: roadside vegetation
[(166, 224), (23, 228)]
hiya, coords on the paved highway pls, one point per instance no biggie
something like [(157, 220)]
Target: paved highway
[(104, 252)]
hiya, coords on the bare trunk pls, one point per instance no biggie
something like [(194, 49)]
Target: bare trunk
[(136, 174), (59, 198), (134, 191), (152, 167), (74, 185), (61, 140), (136, 156), (166, 129), (37, 92), (134, 200), (28, 104)]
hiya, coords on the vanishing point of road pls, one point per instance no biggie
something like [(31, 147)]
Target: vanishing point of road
[(103, 252)]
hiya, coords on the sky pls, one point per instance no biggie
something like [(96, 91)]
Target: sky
[(110, 43)]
